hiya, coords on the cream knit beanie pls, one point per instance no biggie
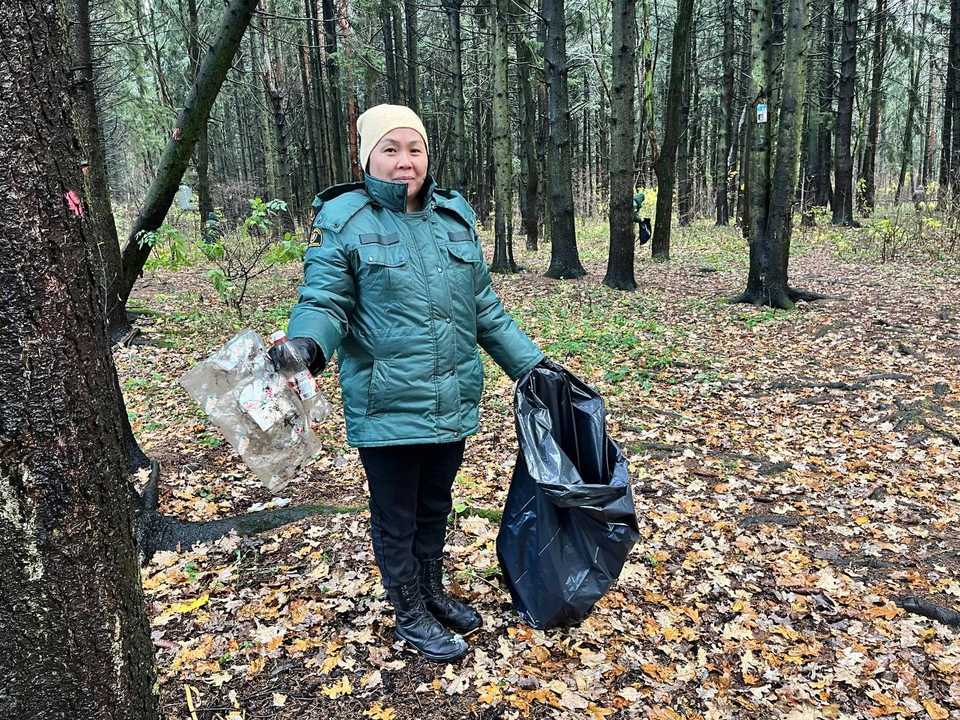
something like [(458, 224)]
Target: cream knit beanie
[(381, 119)]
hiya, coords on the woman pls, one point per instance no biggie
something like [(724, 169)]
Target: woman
[(395, 282)]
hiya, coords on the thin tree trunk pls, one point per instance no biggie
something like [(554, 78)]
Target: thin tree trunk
[(930, 135), (684, 159), (176, 154), (529, 172), (564, 257), (949, 93), (843, 167), (410, 10), (389, 54), (624, 44), (458, 140), (666, 161), (309, 117), (825, 121), (104, 246), (502, 155), (913, 100), (868, 172), (75, 638), (202, 156), (726, 123), (341, 170)]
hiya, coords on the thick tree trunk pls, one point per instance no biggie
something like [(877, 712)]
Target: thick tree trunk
[(389, 54), (868, 172), (843, 167), (529, 169), (665, 163), (176, 155), (772, 176), (502, 155), (74, 639), (624, 44), (564, 257)]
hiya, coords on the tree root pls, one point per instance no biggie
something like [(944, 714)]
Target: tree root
[(917, 413), (782, 520), (919, 606), (781, 298), (157, 532)]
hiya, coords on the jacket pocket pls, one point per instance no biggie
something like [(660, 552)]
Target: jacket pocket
[(466, 260), (374, 404), (384, 272)]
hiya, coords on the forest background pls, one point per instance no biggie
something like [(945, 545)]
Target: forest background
[(795, 472)]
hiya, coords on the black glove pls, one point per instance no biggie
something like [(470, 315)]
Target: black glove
[(290, 356), (549, 364)]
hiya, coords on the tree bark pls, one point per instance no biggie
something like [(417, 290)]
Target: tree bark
[(772, 176), (410, 10), (843, 167), (529, 170), (624, 44), (458, 138), (104, 249), (823, 191), (868, 172), (341, 170), (913, 100), (726, 121), (502, 155), (950, 92), (930, 135), (75, 639), (684, 156), (176, 154), (665, 164), (564, 257)]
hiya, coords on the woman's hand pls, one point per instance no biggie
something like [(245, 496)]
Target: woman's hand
[(291, 356)]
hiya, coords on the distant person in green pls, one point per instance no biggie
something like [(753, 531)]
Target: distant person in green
[(644, 223)]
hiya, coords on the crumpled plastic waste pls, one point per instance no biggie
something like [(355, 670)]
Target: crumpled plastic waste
[(569, 522), (255, 408)]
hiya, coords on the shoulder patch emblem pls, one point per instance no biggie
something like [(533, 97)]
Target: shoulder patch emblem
[(316, 238)]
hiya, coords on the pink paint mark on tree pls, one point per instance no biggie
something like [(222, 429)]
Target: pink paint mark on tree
[(75, 203)]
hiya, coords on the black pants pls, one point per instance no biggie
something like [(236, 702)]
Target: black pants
[(410, 500)]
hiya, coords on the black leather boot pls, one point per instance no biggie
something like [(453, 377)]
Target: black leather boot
[(452, 613), (421, 629)]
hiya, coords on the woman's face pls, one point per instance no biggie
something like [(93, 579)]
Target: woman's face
[(401, 156)]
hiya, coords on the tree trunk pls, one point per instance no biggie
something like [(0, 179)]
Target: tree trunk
[(843, 167), (309, 116), (684, 157), (529, 171), (176, 155), (389, 55), (726, 122), (930, 136), (868, 172), (458, 139), (624, 45), (502, 155), (825, 120), (104, 247), (75, 639), (666, 161), (949, 93), (341, 170), (413, 83), (202, 158), (913, 100), (564, 257), (772, 177)]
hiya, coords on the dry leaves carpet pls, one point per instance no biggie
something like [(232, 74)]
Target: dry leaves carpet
[(794, 473)]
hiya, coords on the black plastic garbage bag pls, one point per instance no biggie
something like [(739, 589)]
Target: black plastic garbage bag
[(569, 522)]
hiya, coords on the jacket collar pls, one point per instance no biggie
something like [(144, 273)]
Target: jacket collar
[(393, 195)]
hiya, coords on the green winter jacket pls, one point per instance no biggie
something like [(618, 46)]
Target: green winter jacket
[(404, 298)]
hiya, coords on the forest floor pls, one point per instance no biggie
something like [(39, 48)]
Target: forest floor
[(793, 473)]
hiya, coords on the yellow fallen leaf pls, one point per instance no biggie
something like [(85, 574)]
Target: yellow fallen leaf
[(279, 700), (599, 713), (337, 689), (378, 712), (490, 694), (935, 711), (190, 606)]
